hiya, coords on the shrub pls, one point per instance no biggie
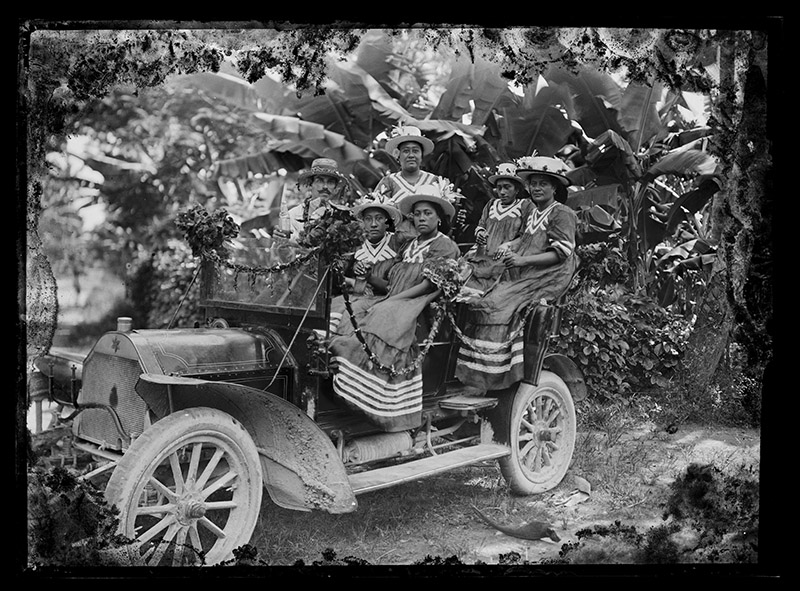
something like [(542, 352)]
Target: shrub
[(165, 283), (623, 343)]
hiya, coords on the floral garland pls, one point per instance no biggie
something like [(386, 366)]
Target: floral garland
[(335, 234), (206, 234), (473, 344), (390, 369), (447, 274)]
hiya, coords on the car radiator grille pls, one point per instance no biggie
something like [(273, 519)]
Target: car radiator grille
[(110, 380)]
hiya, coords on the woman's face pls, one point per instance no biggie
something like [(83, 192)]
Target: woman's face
[(376, 224), (506, 191), (410, 156), (426, 218), (542, 189)]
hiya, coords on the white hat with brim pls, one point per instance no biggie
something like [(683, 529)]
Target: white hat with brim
[(322, 167), (409, 134), (392, 212), (406, 204), (543, 165), (505, 171)]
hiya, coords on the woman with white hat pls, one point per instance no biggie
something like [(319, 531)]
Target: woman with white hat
[(377, 253), (409, 147), (501, 221), (389, 328), (544, 255)]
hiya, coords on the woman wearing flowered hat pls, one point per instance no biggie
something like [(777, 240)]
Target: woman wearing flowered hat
[(376, 254), (392, 326), (501, 222), (410, 147), (544, 255)]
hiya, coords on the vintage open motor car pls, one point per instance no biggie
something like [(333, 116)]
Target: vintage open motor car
[(188, 426)]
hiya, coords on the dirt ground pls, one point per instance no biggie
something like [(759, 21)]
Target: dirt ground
[(639, 504), (627, 482), (635, 501)]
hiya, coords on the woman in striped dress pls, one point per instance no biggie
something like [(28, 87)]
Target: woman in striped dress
[(377, 253), (491, 354), (501, 222), (377, 365)]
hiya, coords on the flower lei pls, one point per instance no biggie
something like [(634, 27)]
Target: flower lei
[(390, 369)]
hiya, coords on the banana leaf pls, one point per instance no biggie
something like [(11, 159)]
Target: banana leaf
[(376, 56), (691, 249), (295, 143), (690, 202), (597, 99), (606, 196), (681, 161), (230, 88), (638, 114), (477, 81), (539, 124)]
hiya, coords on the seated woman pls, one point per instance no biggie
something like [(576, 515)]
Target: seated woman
[(500, 222), (377, 253), (491, 353), (376, 364)]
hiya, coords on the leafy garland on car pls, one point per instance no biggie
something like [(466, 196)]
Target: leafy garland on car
[(206, 233), (445, 274), (334, 234)]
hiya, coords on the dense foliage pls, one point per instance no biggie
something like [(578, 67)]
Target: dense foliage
[(164, 132)]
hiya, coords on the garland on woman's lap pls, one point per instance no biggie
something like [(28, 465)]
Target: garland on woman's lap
[(390, 369), (473, 343)]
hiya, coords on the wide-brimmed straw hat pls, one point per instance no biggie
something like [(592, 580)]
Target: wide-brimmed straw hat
[(430, 193), (322, 167), (505, 170), (543, 165), (377, 202), (409, 133)]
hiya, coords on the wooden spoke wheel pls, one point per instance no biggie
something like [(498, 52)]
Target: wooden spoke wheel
[(542, 427), (188, 489)]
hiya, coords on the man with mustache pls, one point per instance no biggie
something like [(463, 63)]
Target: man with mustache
[(327, 190)]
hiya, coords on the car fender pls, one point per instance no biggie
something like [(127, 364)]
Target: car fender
[(569, 372), (300, 465)]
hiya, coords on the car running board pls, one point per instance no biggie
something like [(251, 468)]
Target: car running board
[(372, 480), (468, 403)]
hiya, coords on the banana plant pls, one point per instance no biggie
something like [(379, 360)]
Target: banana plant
[(646, 227)]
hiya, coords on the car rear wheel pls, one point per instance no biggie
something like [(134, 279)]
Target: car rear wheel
[(188, 489), (541, 426)]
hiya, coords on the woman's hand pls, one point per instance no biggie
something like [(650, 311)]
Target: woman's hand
[(361, 269), (502, 250), (512, 259)]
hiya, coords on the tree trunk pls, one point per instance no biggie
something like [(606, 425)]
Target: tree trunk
[(710, 333), (740, 288)]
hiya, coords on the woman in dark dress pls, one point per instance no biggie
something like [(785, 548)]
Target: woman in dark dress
[(491, 353), (381, 376), (375, 256), (501, 221)]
